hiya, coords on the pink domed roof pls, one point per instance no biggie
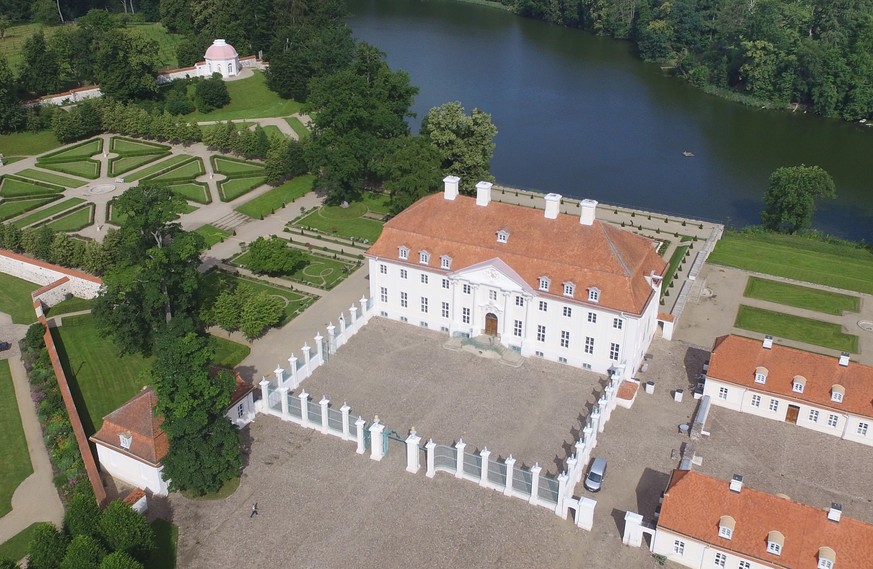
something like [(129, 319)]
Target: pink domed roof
[(220, 49)]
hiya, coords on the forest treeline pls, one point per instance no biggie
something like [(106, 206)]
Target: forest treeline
[(816, 53)]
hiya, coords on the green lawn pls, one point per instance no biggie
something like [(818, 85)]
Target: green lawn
[(376, 202), (798, 258), (267, 203), (333, 220), (166, 41), (72, 304), (84, 149), (121, 164), (801, 296), (215, 282), (320, 271), (122, 145), (194, 191), (235, 167), (28, 143), (675, 259), (797, 328), (155, 168), (47, 212), (12, 187), (15, 466), (249, 99), (74, 221), (16, 300), (50, 178), (298, 127), (273, 131), (211, 234), (166, 538), (17, 546), (240, 126), (183, 172), (85, 168), (12, 208), (228, 353), (232, 188)]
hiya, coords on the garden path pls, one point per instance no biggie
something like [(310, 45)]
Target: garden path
[(278, 122)]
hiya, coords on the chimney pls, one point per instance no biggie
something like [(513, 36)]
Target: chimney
[(451, 189), (835, 512), (736, 483), (844, 359), (588, 212), (768, 342), (553, 205), (483, 193)]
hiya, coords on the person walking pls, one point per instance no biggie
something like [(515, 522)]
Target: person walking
[(254, 510)]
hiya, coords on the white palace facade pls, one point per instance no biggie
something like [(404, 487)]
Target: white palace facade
[(570, 289)]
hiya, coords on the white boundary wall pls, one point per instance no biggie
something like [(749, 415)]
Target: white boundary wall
[(58, 282)]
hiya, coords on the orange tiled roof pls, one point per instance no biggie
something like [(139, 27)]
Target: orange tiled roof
[(148, 442), (598, 255), (735, 358), (694, 503), (627, 390)]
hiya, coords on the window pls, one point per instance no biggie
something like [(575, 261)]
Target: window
[(744, 565), (613, 351), (446, 283), (773, 547), (445, 310), (404, 300), (826, 558), (519, 301), (813, 415), (594, 295), (403, 273), (756, 400), (679, 547), (592, 317), (492, 294), (424, 304), (516, 329), (586, 366), (562, 360), (240, 411), (403, 253), (423, 279), (383, 269), (568, 312), (383, 296), (837, 393), (541, 333), (125, 439), (423, 257), (617, 323), (569, 289), (467, 289), (565, 339), (760, 375), (726, 525), (445, 262), (725, 532), (722, 392), (774, 405), (832, 420), (544, 306), (798, 383), (863, 428), (589, 345), (544, 283), (825, 564), (502, 236), (775, 541), (465, 315), (720, 559)]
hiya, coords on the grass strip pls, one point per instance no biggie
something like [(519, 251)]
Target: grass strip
[(15, 466), (801, 296), (228, 353), (50, 178), (16, 300), (193, 191), (47, 212), (808, 330), (85, 168), (75, 220), (156, 168), (166, 538), (17, 546), (69, 305), (84, 149), (233, 167), (122, 145), (13, 208), (298, 127), (267, 203), (122, 164), (28, 143), (15, 187), (358, 228), (232, 188), (675, 259), (211, 234)]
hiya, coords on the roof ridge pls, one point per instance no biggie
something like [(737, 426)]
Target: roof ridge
[(614, 248)]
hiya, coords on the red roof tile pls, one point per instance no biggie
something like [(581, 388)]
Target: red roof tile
[(598, 255), (137, 417), (694, 503), (734, 360), (627, 390)]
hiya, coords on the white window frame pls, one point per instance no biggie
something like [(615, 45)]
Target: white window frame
[(516, 329), (569, 289), (594, 294), (403, 253), (404, 300), (678, 547), (446, 283), (565, 339), (725, 532), (617, 323), (240, 410), (467, 288), (383, 269), (797, 387), (833, 420), (423, 279), (756, 400), (383, 294), (568, 312), (836, 397), (445, 309), (825, 564), (465, 315), (403, 273), (423, 257), (589, 345), (813, 415), (544, 283), (744, 564), (492, 295), (774, 548), (720, 559), (424, 305), (502, 236), (445, 262), (614, 351), (519, 301), (592, 317), (774, 405), (723, 393), (543, 306), (760, 378), (862, 429), (541, 333)]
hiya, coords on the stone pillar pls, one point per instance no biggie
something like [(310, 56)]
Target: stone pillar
[(345, 411), (331, 338), (460, 446), (633, 529), (412, 460), (306, 360), (359, 429), (601, 407), (484, 454), (562, 494), (280, 376), (319, 347), (535, 483), (363, 302), (431, 451), (572, 465), (353, 320), (376, 442), (585, 513), (342, 322), (283, 398), (510, 472), (304, 408), (265, 395), (292, 363), (595, 422), (324, 403)]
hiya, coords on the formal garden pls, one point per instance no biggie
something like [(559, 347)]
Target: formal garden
[(241, 176), (360, 221)]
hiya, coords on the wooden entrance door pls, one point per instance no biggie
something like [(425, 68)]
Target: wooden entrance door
[(491, 324), (791, 416)]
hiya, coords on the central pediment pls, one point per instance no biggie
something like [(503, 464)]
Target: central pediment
[(495, 273)]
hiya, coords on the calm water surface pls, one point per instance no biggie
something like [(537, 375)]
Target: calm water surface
[(581, 116)]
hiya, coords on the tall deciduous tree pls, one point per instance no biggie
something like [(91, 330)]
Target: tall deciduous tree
[(82, 514), (176, 16), (40, 70), (11, 114), (273, 256), (127, 64), (84, 552), (120, 560), (125, 530), (48, 545), (410, 169), (790, 198)]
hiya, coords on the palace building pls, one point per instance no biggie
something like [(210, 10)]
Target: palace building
[(571, 289)]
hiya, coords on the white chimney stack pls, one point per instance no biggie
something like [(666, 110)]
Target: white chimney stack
[(736, 483), (768, 342), (844, 359), (483, 193), (835, 512), (588, 212), (553, 205), (451, 188)]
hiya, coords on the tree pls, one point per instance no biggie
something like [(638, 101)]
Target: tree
[(285, 160), (410, 169), (82, 514), (211, 94), (120, 560), (226, 310), (202, 464), (38, 242), (48, 545), (127, 64), (5, 24), (465, 142), (46, 12), (176, 16), (259, 312), (790, 198), (40, 70), (127, 531), (6, 563), (84, 552), (273, 256), (11, 115)]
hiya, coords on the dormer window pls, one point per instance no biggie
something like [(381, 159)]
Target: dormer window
[(761, 374), (125, 439), (837, 393), (569, 289), (544, 283), (594, 294), (827, 558), (775, 542), (445, 262), (503, 236), (798, 384), (726, 527), (403, 252), (423, 257)]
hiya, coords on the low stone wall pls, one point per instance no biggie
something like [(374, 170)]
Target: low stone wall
[(79, 284)]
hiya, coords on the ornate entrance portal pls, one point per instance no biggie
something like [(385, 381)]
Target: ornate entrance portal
[(491, 324)]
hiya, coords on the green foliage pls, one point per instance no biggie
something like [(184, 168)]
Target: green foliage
[(84, 552), (211, 94), (273, 256), (82, 514), (790, 198), (126, 531), (201, 464), (120, 560), (410, 169), (48, 545), (285, 160), (11, 115), (126, 65), (8, 564), (40, 72), (176, 16), (80, 122)]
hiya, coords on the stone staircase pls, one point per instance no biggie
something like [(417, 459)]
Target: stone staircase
[(231, 221), (484, 346)]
